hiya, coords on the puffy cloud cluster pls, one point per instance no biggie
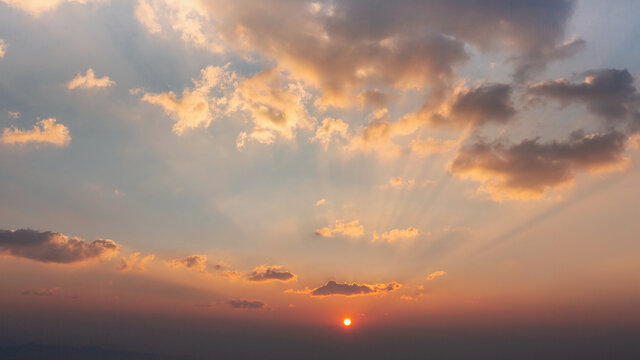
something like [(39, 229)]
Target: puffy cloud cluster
[(276, 105), (351, 229), (45, 131), (135, 262), (88, 81), (3, 48), (52, 247), (268, 273), (328, 129), (527, 169), (196, 108), (195, 262), (346, 289), (396, 235)]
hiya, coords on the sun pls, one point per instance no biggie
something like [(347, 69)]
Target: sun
[(346, 322)]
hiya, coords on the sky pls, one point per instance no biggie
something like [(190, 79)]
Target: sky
[(204, 178)]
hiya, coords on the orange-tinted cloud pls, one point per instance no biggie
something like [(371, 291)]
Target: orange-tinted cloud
[(88, 81), (346, 289), (38, 7), (268, 273), (435, 274), (3, 48), (195, 262), (195, 109), (396, 235), (45, 131), (135, 262), (328, 128), (52, 247), (351, 229)]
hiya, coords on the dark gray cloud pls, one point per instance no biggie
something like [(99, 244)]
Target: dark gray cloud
[(606, 92), (41, 292), (52, 247), (246, 304), (334, 288), (528, 169), (266, 273), (483, 104)]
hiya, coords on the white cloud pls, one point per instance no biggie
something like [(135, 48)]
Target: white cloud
[(396, 235), (3, 48), (351, 229), (37, 7), (146, 15)]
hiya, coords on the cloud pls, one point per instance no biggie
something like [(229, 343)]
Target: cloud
[(528, 169), (135, 262), (196, 262), (480, 105), (14, 114), (334, 288), (435, 274), (246, 304), (399, 183), (395, 235), (328, 128), (88, 81), (345, 48), (52, 247), (351, 229), (41, 292), (607, 92), (3, 48), (276, 105), (321, 202), (146, 15), (224, 270), (44, 131), (195, 109), (37, 7), (267, 273)]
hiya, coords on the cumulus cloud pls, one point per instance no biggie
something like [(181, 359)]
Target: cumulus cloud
[(606, 92), (267, 273), (38, 7), (528, 169), (195, 262), (435, 274), (88, 81), (344, 48), (276, 105), (246, 304), (135, 262), (147, 16), (14, 114), (44, 131), (395, 235), (3, 48), (195, 109), (321, 202), (52, 247), (328, 128), (224, 270), (351, 229), (346, 289)]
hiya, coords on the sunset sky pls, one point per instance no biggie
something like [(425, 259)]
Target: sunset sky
[(184, 177)]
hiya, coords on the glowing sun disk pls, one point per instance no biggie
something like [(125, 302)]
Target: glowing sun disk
[(347, 322)]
